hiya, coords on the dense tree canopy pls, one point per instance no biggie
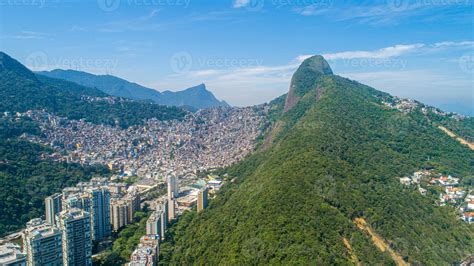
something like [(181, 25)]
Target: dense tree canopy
[(27, 175), (333, 157), (22, 90)]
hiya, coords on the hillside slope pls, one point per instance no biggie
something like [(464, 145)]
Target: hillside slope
[(197, 97), (28, 174), (324, 180), (22, 90)]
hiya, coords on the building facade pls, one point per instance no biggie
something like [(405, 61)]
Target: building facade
[(118, 214), (100, 213), (202, 200), (11, 255), (156, 223), (173, 190), (122, 210), (53, 206), (42, 243), (146, 254), (75, 225)]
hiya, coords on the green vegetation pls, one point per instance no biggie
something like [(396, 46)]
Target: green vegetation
[(127, 240), (334, 157), (131, 180), (463, 128), (27, 175), (22, 90)]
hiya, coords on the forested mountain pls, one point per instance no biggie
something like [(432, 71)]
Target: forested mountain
[(28, 172), (28, 175), (324, 178), (22, 90), (197, 97)]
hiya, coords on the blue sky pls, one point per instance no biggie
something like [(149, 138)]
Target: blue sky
[(246, 50)]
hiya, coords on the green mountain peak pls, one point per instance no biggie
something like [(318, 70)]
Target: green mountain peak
[(306, 78), (317, 64), (14, 68), (328, 173)]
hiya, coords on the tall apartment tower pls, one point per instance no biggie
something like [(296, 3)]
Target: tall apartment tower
[(122, 210), (42, 244), (172, 187), (52, 206), (100, 213), (147, 251), (133, 202), (75, 225), (156, 223), (202, 199), (172, 194), (77, 200), (95, 201), (153, 224), (171, 208), (162, 210), (118, 214)]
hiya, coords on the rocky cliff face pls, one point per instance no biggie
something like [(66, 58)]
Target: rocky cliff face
[(305, 78)]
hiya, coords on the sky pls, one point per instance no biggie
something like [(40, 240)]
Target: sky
[(246, 51)]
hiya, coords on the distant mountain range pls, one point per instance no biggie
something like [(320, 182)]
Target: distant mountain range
[(197, 97), (322, 187), (22, 90)]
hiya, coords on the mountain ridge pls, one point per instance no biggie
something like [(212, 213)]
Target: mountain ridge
[(21, 90), (333, 160), (197, 98)]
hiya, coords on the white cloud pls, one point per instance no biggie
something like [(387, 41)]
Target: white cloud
[(388, 13), (76, 28), (241, 3), (396, 50), (301, 58), (30, 35), (257, 84), (453, 44), (203, 73), (312, 10), (142, 23)]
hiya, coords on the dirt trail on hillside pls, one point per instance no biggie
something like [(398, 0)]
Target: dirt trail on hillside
[(378, 241), (349, 249), (459, 139)]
